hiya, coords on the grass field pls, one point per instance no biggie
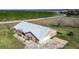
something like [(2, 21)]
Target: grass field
[(7, 40), (21, 15), (73, 41)]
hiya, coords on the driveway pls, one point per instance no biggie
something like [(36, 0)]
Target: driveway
[(54, 43)]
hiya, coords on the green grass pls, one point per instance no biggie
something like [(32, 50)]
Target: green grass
[(20, 15), (73, 41), (7, 40)]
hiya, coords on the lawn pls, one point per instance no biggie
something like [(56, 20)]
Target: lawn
[(7, 40), (22, 15), (73, 41)]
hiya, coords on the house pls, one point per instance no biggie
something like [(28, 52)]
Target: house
[(34, 32)]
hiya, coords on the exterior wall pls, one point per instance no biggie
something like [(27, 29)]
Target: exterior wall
[(31, 37), (19, 38), (26, 36), (49, 35), (44, 39), (53, 33), (21, 35)]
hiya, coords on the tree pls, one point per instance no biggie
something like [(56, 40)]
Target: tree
[(72, 12)]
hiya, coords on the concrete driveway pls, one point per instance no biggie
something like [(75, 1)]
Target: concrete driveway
[(54, 43)]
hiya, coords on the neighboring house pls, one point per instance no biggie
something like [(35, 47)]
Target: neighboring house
[(30, 31)]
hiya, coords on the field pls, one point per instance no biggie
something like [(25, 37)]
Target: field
[(23, 15), (7, 40), (73, 41)]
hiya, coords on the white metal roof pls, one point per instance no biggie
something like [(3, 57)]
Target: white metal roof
[(38, 30)]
